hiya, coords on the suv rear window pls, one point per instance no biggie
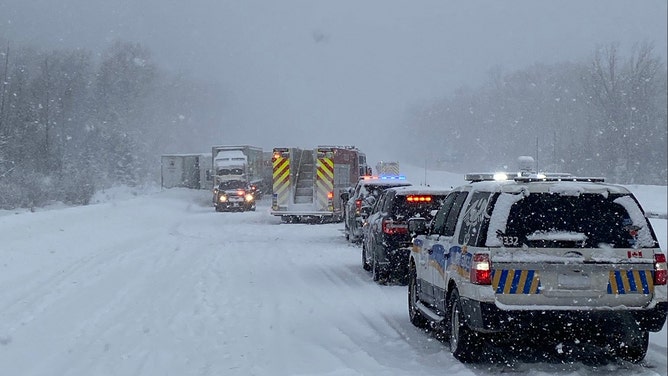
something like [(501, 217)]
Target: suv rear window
[(404, 209), (548, 220)]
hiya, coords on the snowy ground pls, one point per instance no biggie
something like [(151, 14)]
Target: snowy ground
[(160, 284)]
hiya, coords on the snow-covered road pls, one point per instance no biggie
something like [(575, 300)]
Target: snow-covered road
[(162, 285)]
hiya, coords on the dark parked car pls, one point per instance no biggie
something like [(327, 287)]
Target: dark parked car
[(387, 242), (362, 198)]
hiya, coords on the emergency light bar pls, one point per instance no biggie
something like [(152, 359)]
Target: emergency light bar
[(414, 198), (527, 178), (383, 177)]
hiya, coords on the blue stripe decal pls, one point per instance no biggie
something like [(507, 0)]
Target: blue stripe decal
[(528, 283), (502, 282), (632, 281), (645, 284), (620, 283), (516, 281)]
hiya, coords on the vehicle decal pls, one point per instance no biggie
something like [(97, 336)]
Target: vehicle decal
[(438, 259), (281, 181), (417, 245), (516, 281), (462, 260), (631, 282), (324, 182)]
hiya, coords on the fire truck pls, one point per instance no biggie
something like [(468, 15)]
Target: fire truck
[(308, 183)]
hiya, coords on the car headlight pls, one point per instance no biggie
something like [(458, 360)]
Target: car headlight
[(222, 198), (249, 197)]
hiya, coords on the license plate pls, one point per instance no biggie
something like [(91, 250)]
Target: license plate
[(573, 281)]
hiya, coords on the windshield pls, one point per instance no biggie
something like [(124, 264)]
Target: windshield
[(404, 209), (232, 184)]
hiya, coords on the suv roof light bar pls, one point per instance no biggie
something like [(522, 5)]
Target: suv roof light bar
[(382, 177), (529, 179), (533, 177)]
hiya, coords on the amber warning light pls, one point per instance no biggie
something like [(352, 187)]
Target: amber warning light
[(418, 198)]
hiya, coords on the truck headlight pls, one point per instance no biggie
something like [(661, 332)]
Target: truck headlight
[(222, 198), (249, 197)]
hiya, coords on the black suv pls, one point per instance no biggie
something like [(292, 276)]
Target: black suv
[(362, 198), (386, 243), (233, 195)]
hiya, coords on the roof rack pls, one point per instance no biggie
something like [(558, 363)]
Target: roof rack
[(529, 177)]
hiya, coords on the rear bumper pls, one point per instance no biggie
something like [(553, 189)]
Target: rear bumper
[(487, 317), (305, 213)]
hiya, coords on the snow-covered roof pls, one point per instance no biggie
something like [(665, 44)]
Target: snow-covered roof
[(230, 154), (559, 187), (422, 189)]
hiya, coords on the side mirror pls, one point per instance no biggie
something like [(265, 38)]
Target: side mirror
[(417, 226), (365, 211)]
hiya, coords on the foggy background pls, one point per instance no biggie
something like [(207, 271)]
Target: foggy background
[(301, 73), (455, 85)]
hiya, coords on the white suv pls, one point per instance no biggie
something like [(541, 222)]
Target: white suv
[(545, 259)]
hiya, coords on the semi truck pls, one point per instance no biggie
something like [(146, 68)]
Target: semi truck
[(185, 170), (307, 184), (385, 168), (239, 162)]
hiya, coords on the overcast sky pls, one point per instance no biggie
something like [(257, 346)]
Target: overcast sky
[(308, 72)]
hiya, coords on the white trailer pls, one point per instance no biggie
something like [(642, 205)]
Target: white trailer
[(185, 170)]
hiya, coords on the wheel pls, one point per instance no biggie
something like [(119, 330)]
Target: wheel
[(630, 342), (365, 265), (377, 274), (465, 344), (635, 349), (414, 313)]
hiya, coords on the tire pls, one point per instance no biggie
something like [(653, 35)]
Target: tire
[(376, 273), (630, 343), (365, 265), (465, 344), (417, 319)]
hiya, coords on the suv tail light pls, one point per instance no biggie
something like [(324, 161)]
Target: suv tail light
[(391, 228), (660, 272), (481, 269)]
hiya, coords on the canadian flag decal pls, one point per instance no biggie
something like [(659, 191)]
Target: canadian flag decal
[(635, 254)]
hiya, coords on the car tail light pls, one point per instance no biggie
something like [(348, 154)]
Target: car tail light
[(241, 192), (391, 227), (660, 272), (481, 269), (358, 206), (330, 195)]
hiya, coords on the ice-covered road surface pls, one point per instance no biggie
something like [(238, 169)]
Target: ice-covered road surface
[(162, 285)]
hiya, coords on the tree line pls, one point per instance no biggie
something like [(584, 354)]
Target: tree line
[(603, 117), (73, 122)]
